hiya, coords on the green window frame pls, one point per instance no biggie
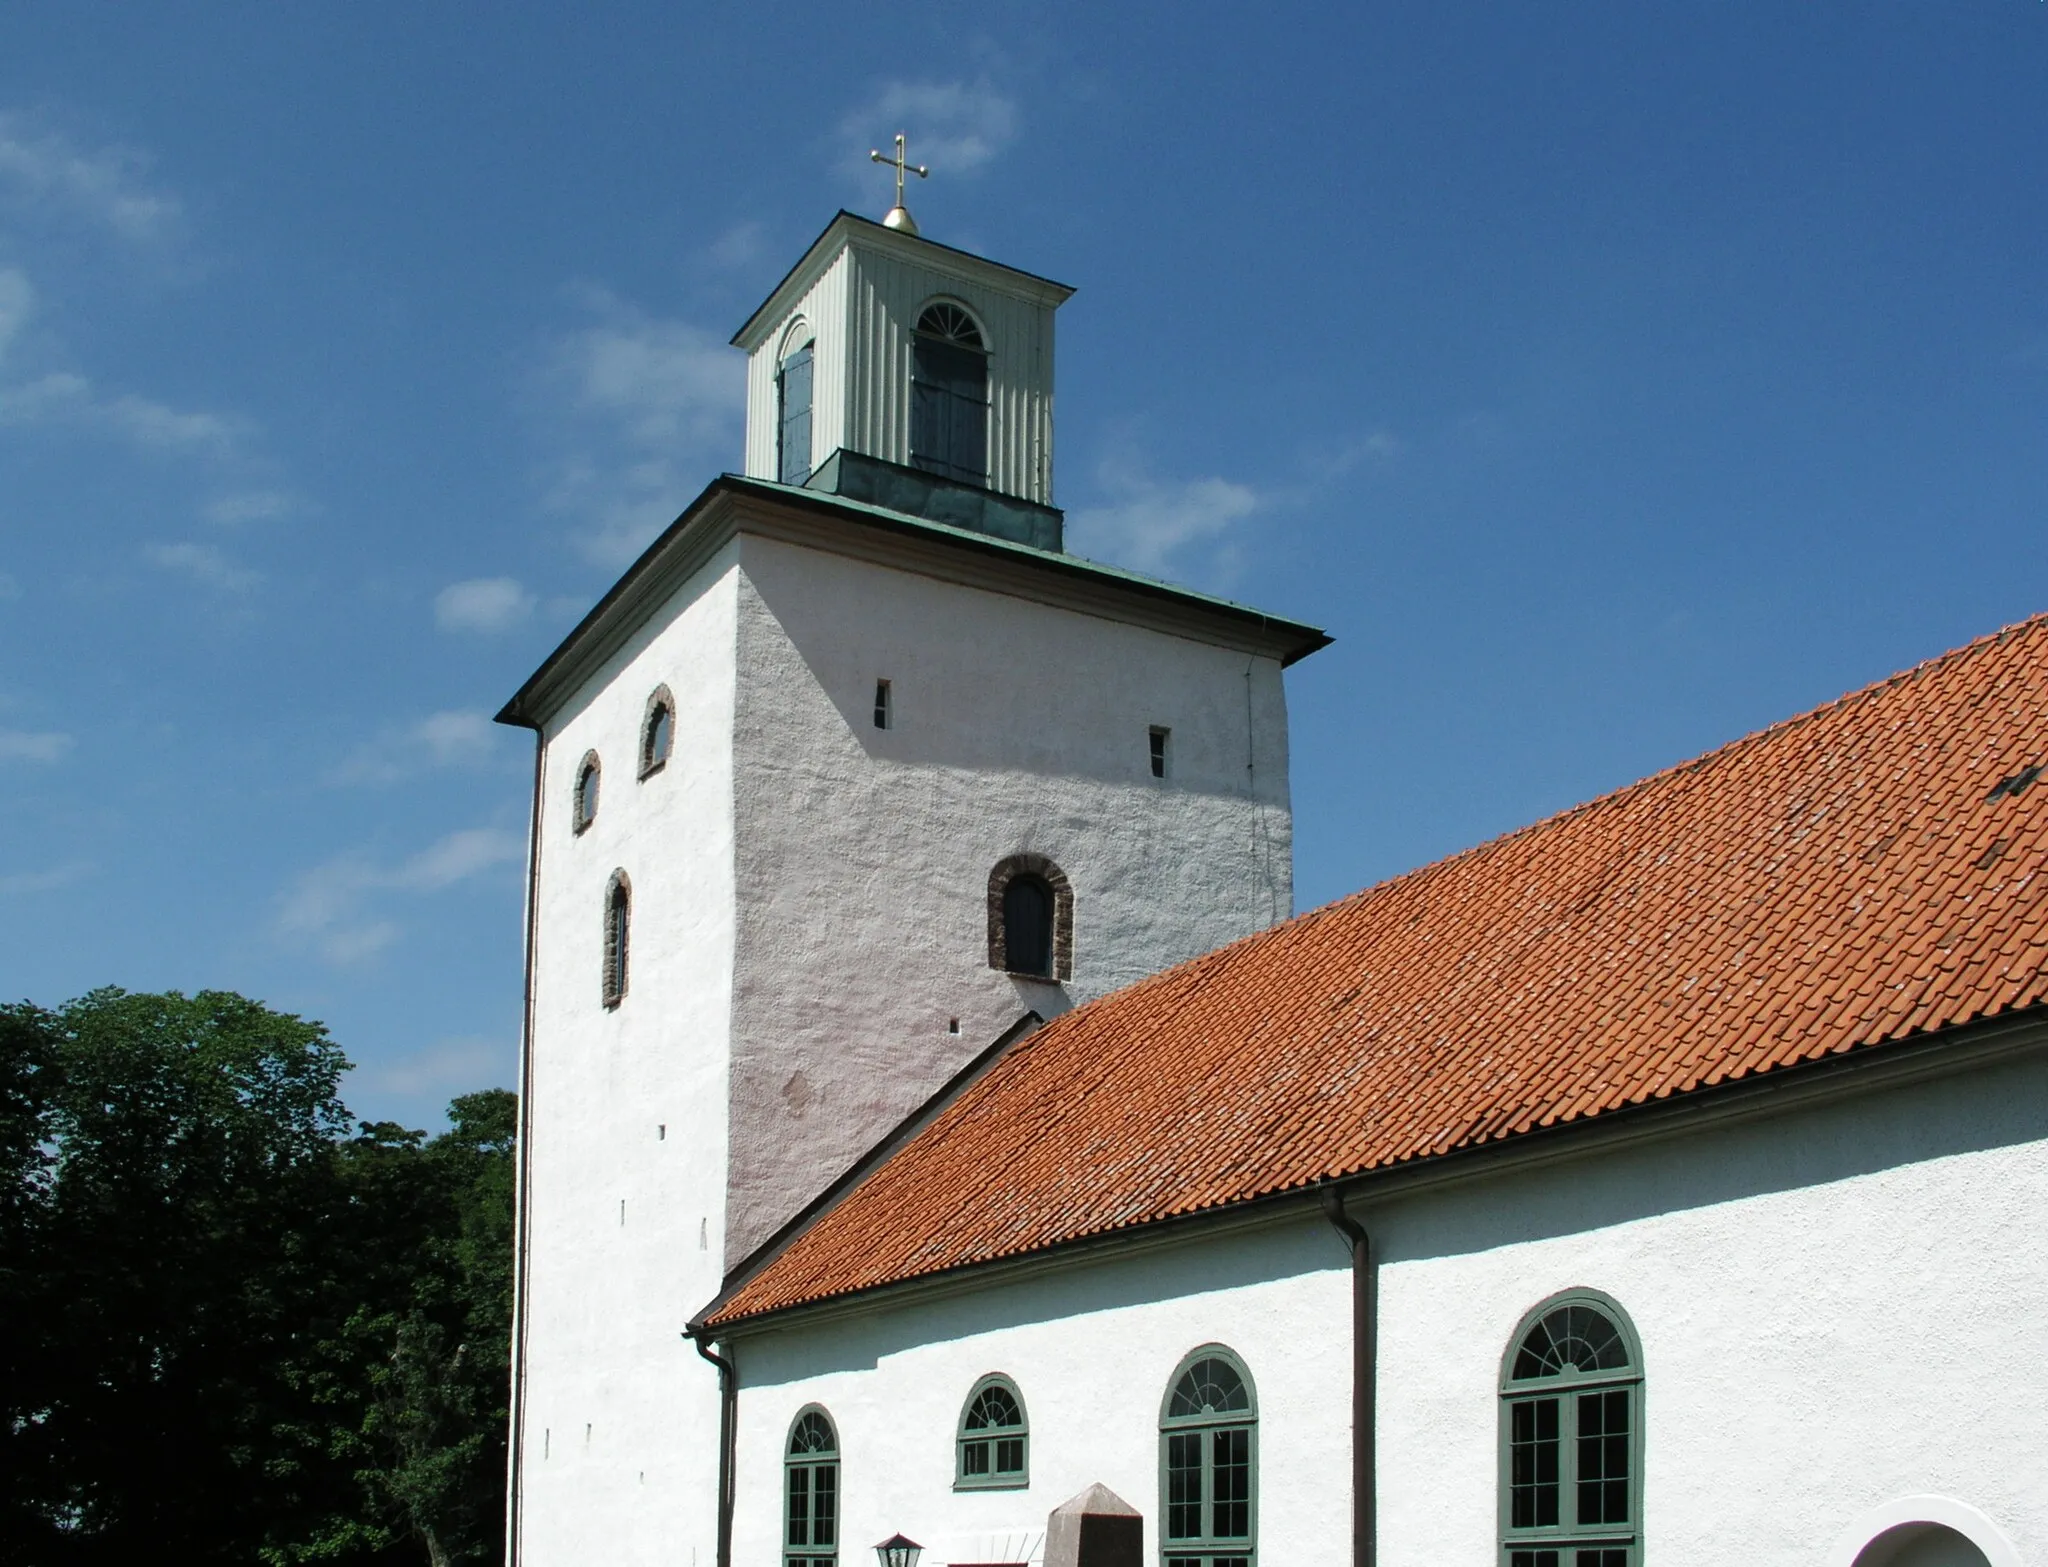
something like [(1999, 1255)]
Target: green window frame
[(810, 1491), (1571, 1436), (1209, 1463), (992, 1449)]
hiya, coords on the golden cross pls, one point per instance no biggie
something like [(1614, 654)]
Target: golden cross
[(901, 166)]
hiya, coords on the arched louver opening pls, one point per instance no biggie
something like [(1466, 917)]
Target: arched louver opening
[(618, 919), (793, 415), (949, 395)]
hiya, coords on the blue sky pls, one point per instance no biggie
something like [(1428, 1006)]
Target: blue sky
[(1610, 379)]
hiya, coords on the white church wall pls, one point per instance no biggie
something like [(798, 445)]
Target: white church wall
[(1838, 1308), (627, 1135), (1093, 1351), (864, 855)]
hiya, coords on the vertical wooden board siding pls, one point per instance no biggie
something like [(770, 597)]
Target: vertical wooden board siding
[(823, 306), (863, 311), (886, 297)]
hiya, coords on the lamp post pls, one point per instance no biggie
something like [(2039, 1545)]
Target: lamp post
[(898, 1551)]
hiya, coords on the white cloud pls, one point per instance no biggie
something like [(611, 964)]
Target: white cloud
[(69, 397), (103, 184), (482, 604), (652, 406), (329, 906), (457, 738), (26, 883), (23, 745), (203, 563), (461, 1065), (953, 128), (250, 506), (1145, 523)]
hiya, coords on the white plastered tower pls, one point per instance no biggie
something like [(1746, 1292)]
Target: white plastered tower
[(888, 691)]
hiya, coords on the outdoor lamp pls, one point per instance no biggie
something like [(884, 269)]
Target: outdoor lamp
[(898, 1551)]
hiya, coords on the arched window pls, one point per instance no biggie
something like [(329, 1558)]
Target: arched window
[(1571, 1437), (1030, 918), (994, 1444), (584, 811), (657, 731), (1209, 1463), (793, 412), (810, 1492), (949, 395), (618, 919)]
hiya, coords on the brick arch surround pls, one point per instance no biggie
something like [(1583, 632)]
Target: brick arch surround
[(999, 881)]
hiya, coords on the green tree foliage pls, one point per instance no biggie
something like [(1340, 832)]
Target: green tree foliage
[(238, 1327)]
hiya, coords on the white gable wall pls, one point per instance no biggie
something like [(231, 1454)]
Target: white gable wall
[(864, 855), (615, 1400), (1838, 1307)]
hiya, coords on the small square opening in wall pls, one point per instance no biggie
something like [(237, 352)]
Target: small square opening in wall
[(1158, 741), (882, 713)]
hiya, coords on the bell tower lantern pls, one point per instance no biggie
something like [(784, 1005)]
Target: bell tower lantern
[(890, 369)]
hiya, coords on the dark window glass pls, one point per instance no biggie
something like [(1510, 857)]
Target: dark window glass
[(1572, 1336), (1184, 1486), (881, 704), (1603, 1457), (1532, 1559), (1209, 1386), (1533, 1462), (1159, 753), (949, 397), (793, 427), (1231, 1466), (1027, 926), (586, 796)]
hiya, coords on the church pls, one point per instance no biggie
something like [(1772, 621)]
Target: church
[(935, 1109)]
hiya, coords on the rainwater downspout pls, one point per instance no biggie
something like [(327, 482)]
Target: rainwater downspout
[(728, 1406), (1364, 1379)]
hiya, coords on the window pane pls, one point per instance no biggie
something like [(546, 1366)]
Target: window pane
[(1209, 1387), (1605, 1556), (1532, 1559), (973, 1458), (1010, 1455), (799, 1506), (1603, 1457), (1027, 926), (825, 1505), (1184, 1486), (658, 735), (1533, 1456), (1231, 1483)]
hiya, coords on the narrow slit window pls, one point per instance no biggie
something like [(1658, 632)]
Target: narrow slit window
[(1158, 744), (587, 777), (618, 915), (882, 707)]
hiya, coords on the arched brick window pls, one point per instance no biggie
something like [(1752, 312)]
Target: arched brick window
[(657, 731), (588, 775), (618, 920), (1031, 918)]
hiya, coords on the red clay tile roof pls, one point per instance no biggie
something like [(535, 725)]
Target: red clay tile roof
[(1834, 882)]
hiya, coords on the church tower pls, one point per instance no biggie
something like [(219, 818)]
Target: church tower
[(849, 776)]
